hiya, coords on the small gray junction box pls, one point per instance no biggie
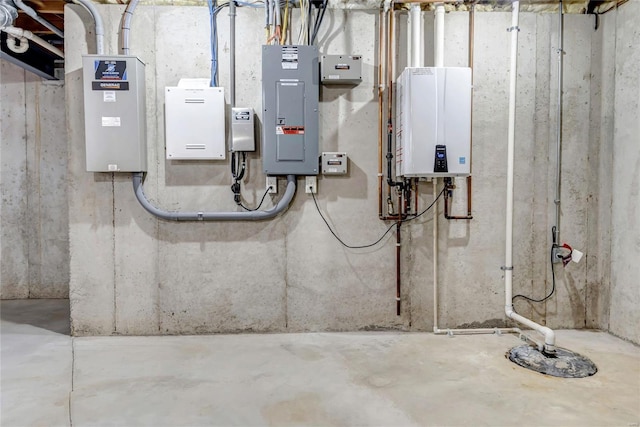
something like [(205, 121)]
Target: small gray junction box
[(290, 95), (114, 113), (341, 69)]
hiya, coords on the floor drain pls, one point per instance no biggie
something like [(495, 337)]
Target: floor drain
[(564, 364)]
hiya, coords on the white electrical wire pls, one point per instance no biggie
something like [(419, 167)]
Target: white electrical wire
[(304, 16)]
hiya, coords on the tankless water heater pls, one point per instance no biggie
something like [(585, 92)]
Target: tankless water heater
[(433, 122)]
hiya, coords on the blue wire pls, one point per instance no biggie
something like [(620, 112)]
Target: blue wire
[(214, 9), (214, 42)]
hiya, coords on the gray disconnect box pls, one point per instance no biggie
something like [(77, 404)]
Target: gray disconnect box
[(290, 92), (341, 69), (114, 113), (242, 129)]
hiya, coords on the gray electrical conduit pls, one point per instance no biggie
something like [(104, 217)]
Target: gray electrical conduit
[(34, 15), (214, 216), (126, 25), (87, 4)]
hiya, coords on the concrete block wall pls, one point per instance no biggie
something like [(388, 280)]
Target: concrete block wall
[(34, 226), (133, 274)]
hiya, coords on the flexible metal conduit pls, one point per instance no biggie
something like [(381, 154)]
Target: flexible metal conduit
[(99, 23), (556, 232), (32, 13), (549, 335), (232, 57), (214, 216)]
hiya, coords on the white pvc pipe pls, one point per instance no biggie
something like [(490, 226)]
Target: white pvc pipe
[(439, 35), (439, 62), (477, 331), (549, 335), (435, 257), (20, 33), (416, 36), (99, 23)]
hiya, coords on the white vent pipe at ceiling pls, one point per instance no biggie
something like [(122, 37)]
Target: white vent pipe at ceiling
[(549, 335), (439, 35), (416, 36)]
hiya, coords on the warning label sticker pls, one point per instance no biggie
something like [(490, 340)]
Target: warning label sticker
[(289, 57), (289, 130)]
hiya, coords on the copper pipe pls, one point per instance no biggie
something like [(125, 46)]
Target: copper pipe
[(469, 178), (398, 258), (469, 214), (390, 61), (380, 107), (415, 192), (472, 36), (389, 69), (381, 129)]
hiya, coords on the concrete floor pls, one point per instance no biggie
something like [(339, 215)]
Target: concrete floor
[(325, 379)]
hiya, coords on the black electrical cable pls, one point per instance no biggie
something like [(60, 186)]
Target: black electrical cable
[(319, 18), (315, 201), (236, 164), (261, 201), (553, 278), (427, 208)]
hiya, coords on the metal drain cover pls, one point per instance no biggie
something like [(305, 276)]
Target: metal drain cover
[(563, 364)]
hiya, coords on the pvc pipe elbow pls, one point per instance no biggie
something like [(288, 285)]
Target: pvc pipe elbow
[(549, 335)]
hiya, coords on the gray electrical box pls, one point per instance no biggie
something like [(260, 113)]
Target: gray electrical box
[(114, 113), (341, 69), (242, 134), (290, 92), (334, 163)]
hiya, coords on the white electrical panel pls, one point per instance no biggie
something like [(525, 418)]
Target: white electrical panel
[(195, 123), (433, 122)]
